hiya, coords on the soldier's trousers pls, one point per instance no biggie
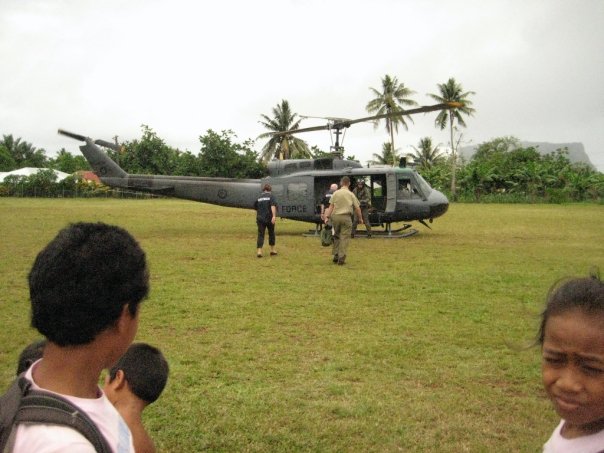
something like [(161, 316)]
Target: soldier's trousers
[(342, 225), (355, 221)]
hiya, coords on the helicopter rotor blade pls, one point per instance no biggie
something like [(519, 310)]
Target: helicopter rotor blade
[(107, 144), (329, 118), (342, 123), (304, 129), (81, 138), (424, 109), (72, 135)]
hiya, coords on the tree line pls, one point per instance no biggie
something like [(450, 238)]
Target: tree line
[(500, 170), (220, 155), (503, 171)]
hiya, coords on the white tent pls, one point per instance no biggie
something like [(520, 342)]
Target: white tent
[(27, 171)]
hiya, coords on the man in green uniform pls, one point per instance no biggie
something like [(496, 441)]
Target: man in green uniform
[(363, 194), (342, 205)]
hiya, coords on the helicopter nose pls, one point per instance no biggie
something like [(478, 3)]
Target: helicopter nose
[(439, 204)]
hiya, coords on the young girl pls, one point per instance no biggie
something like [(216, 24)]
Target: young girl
[(572, 343)]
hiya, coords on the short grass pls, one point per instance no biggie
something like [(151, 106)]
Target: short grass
[(415, 345)]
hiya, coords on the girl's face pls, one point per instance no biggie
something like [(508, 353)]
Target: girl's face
[(573, 370)]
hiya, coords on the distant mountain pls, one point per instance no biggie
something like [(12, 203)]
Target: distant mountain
[(576, 151)]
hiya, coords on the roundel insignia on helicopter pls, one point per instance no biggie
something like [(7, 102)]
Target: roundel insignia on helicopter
[(103, 171), (222, 194)]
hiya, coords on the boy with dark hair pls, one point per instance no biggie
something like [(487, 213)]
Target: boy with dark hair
[(134, 382), (85, 288)]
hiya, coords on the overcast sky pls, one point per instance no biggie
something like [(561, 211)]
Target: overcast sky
[(104, 68)]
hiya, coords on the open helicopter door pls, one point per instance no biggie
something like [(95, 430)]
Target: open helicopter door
[(378, 192), (391, 183)]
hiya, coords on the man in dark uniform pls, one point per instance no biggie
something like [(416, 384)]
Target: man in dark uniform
[(326, 199), (266, 215), (363, 194)]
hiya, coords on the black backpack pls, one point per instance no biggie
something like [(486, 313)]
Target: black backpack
[(21, 404)]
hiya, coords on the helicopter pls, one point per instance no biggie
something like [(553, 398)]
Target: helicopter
[(398, 194)]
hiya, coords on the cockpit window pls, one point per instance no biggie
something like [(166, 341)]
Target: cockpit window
[(423, 185), (412, 187), (404, 188), (404, 184)]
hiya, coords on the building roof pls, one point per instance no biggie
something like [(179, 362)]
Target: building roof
[(88, 176), (28, 171)]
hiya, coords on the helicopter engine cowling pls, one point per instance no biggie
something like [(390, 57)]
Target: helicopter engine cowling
[(288, 166)]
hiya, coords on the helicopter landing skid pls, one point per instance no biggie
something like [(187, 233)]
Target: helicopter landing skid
[(387, 233)]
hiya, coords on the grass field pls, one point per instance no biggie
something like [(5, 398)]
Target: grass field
[(415, 345)]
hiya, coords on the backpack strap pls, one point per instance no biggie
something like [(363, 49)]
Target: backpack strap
[(9, 405), (47, 408)]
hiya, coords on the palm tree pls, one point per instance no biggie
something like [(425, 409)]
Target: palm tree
[(452, 92), (427, 155), (23, 153), (282, 146), (386, 158), (393, 97)]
